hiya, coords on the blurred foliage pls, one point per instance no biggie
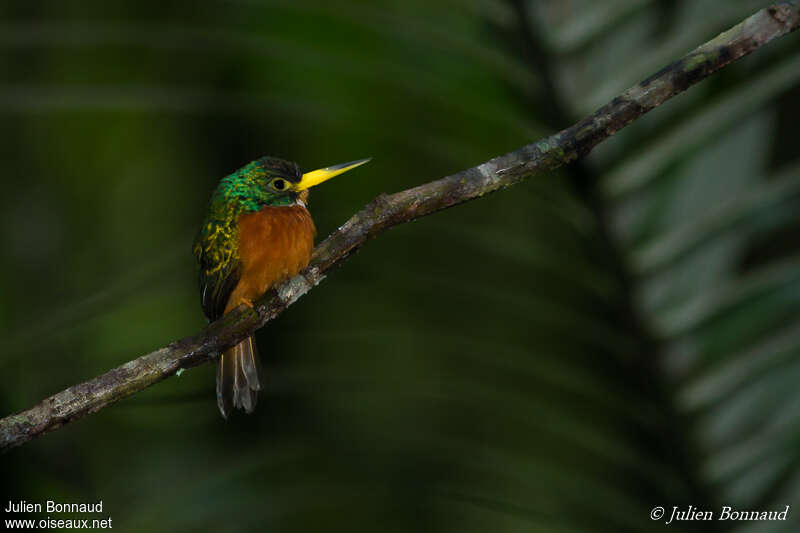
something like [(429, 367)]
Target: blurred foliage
[(561, 356)]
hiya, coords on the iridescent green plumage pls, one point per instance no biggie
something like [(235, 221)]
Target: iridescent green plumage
[(257, 233), (216, 247)]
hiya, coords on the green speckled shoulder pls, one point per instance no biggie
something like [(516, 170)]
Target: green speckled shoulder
[(216, 247)]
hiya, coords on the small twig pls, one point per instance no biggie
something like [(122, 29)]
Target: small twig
[(389, 210)]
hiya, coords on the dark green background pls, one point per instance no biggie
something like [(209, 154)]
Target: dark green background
[(501, 366)]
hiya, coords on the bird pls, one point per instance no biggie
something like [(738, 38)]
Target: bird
[(257, 232)]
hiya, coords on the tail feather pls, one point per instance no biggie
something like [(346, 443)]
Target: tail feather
[(238, 380)]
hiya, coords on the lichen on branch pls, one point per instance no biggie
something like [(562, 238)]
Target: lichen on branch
[(386, 211)]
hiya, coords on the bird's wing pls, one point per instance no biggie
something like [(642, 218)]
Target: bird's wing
[(217, 254)]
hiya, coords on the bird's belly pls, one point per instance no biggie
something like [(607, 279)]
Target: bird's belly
[(275, 244)]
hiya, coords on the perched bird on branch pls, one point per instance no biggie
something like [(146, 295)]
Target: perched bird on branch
[(257, 233)]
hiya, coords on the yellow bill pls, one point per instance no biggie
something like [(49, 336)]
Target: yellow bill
[(315, 177)]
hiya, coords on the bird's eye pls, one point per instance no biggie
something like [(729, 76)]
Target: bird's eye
[(279, 184)]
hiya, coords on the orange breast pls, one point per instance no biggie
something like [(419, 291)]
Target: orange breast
[(275, 244)]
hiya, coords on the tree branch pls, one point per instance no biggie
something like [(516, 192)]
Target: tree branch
[(386, 211)]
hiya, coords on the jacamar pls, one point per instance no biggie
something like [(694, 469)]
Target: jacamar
[(257, 233)]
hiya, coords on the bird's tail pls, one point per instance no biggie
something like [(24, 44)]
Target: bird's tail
[(238, 380)]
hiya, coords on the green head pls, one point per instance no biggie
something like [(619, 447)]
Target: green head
[(270, 181)]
